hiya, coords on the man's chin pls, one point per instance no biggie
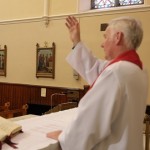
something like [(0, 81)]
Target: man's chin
[(106, 58)]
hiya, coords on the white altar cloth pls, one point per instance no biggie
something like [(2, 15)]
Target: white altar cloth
[(35, 129)]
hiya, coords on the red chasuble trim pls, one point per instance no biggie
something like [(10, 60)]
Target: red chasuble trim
[(130, 56)]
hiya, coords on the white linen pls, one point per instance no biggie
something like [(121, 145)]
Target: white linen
[(35, 129), (110, 116)]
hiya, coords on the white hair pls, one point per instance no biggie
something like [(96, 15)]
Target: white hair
[(131, 29)]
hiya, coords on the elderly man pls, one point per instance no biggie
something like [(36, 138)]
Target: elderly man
[(110, 115)]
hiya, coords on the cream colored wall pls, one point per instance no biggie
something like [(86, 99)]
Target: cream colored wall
[(18, 9), (21, 38), (58, 7), (21, 61)]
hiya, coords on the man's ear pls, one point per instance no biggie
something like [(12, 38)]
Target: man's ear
[(119, 37)]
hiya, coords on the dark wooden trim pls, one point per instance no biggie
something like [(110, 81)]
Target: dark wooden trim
[(44, 86)]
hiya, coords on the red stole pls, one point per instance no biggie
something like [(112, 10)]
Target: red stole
[(130, 56)]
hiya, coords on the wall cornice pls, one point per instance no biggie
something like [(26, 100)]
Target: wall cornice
[(90, 13)]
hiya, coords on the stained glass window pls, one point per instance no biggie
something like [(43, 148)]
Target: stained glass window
[(98, 4)]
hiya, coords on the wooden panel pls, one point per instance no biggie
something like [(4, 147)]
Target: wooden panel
[(17, 95), (20, 94)]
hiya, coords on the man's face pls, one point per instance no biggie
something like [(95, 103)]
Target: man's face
[(108, 44)]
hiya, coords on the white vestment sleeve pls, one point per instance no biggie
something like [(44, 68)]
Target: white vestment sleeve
[(96, 112), (82, 60)]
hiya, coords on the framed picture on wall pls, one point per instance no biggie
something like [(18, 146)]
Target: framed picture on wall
[(3, 58), (45, 61)]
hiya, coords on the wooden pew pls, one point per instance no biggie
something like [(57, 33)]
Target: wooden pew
[(147, 131), (61, 107), (5, 107), (15, 112)]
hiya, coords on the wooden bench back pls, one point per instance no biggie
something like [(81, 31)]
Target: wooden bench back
[(7, 113)]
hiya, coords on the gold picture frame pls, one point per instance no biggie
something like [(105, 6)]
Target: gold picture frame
[(45, 61), (3, 61)]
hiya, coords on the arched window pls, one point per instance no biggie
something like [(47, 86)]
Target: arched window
[(98, 4)]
